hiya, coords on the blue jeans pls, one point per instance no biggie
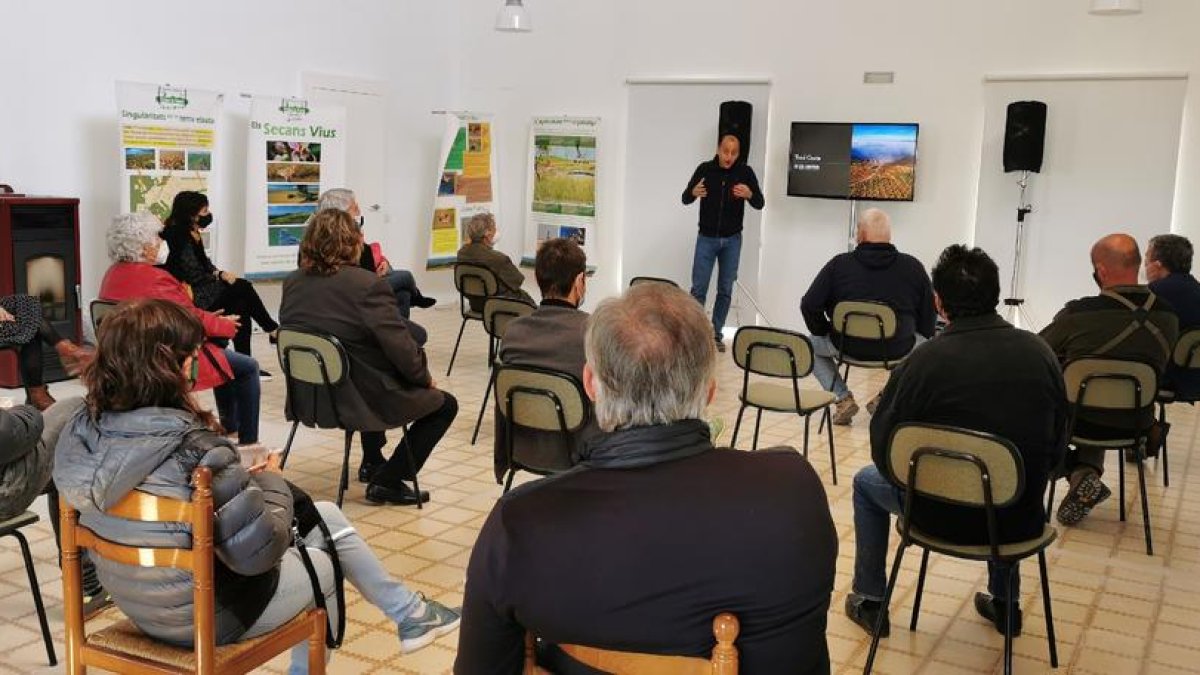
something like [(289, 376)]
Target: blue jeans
[(238, 399), (725, 253), (876, 500), (404, 286), (825, 364)]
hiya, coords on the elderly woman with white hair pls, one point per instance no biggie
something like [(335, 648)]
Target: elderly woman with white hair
[(135, 249), (480, 250)]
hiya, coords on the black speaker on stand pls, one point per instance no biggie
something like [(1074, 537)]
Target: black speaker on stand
[(1024, 145)]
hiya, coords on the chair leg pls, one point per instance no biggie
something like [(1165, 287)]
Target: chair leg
[(1050, 500), (832, 455), (486, 394), (912, 624), (454, 354), (883, 610), (412, 464), (1166, 466), (345, 479), (37, 596), (1121, 467), (806, 419), (1141, 465), (1046, 609), (508, 481), (287, 448), (737, 425), (757, 424), (1009, 619), (316, 645)]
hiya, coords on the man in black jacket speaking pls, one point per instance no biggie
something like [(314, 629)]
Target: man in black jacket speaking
[(723, 185)]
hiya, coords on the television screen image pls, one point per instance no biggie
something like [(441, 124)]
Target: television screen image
[(875, 162)]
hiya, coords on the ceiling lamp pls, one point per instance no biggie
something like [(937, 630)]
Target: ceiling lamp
[(1116, 7), (513, 18)]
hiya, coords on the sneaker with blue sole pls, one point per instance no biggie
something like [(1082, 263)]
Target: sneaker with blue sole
[(417, 631)]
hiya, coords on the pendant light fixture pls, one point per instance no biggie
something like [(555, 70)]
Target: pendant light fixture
[(513, 18)]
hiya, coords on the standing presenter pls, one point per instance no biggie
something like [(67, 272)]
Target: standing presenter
[(723, 185)]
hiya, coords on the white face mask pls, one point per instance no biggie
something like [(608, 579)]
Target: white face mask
[(495, 236), (163, 252)]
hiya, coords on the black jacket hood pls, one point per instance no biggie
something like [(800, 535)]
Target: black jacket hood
[(876, 256)]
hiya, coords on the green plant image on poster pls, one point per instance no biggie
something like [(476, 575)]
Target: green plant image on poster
[(565, 175)]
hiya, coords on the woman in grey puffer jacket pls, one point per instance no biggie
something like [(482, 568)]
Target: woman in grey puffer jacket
[(142, 430)]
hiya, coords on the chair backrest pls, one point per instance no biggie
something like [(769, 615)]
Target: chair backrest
[(542, 399), (312, 358), (772, 351), (864, 320), (100, 309), (475, 281), (948, 464), (198, 559), (723, 660), (1187, 350), (651, 280), (499, 312), (1108, 383)]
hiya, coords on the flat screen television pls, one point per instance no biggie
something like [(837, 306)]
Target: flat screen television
[(837, 160)]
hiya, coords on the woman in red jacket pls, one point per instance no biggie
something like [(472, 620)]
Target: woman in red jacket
[(135, 247)]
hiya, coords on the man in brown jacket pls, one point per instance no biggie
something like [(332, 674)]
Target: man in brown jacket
[(481, 235)]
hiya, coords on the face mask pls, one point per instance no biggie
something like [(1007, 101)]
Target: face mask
[(1096, 278), (362, 220), (205, 221), (164, 252), (496, 236)]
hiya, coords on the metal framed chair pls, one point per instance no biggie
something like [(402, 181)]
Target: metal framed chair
[(123, 648), (497, 314), (1185, 357), (12, 528), (723, 660), (1114, 386), (319, 362), (475, 284), (777, 353), (540, 399), (651, 280), (100, 309), (863, 320), (966, 468)]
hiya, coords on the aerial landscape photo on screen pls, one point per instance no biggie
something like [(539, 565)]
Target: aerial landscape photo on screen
[(883, 161)]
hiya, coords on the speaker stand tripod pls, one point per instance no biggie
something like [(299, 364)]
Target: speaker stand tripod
[(1015, 310)]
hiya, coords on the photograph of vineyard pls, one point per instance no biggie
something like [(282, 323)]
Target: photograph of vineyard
[(883, 161), (565, 175)]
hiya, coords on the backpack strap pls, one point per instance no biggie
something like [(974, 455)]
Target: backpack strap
[(1140, 320)]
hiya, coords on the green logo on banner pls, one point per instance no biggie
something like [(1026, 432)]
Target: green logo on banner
[(170, 97), (293, 108)]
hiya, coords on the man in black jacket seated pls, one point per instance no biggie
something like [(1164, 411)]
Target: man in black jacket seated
[(980, 374), (640, 546), (1168, 267), (874, 271)]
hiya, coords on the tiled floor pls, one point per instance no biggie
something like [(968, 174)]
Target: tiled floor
[(1116, 610)]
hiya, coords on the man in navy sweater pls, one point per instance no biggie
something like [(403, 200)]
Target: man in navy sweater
[(1168, 268)]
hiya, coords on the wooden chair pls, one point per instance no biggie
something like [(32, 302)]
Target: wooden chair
[(100, 309), (475, 284), (1186, 359), (123, 648), (497, 314), (651, 280), (541, 399), (12, 528), (723, 661), (778, 353), (966, 468)]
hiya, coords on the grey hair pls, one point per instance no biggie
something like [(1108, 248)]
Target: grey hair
[(875, 226), (129, 234), (652, 355), (478, 225), (337, 198)]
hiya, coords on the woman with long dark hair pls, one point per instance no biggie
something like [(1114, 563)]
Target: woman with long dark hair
[(212, 288), (141, 429)]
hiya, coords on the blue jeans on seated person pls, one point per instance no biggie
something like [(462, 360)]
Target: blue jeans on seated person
[(725, 253), (825, 365), (238, 399), (876, 500)]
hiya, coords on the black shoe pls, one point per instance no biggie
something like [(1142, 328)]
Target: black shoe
[(996, 611), (424, 301), (265, 375), (404, 495), (721, 346), (865, 613), (366, 471)]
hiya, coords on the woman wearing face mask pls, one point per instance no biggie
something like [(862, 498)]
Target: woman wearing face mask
[(212, 288)]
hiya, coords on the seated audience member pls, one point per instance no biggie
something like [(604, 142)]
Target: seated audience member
[(22, 325), (389, 384), (1126, 320), (142, 430), (212, 289), (633, 549), (482, 235), (551, 337), (133, 247), (1169, 271), (874, 271), (980, 374), (25, 459)]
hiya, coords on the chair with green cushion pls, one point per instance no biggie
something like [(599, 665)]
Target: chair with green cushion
[(863, 320), (497, 314), (1113, 386), (1185, 357), (782, 354), (651, 280), (966, 468), (475, 284), (12, 528), (100, 309), (319, 362), (543, 400)]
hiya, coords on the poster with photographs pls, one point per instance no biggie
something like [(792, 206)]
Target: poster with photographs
[(295, 152), (168, 138), (466, 184), (562, 183)]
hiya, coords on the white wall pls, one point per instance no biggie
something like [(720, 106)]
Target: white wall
[(58, 127), (578, 57)]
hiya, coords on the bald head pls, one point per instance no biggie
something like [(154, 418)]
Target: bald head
[(874, 227), (1116, 259)]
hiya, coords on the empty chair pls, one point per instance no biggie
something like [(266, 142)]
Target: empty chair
[(541, 399), (497, 314)]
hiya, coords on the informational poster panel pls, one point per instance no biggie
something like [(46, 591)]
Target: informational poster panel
[(562, 183), (294, 151), (168, 143), (466, 184)]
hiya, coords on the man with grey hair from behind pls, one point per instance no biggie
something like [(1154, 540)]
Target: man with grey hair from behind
[(640, 545), (479, 249)]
